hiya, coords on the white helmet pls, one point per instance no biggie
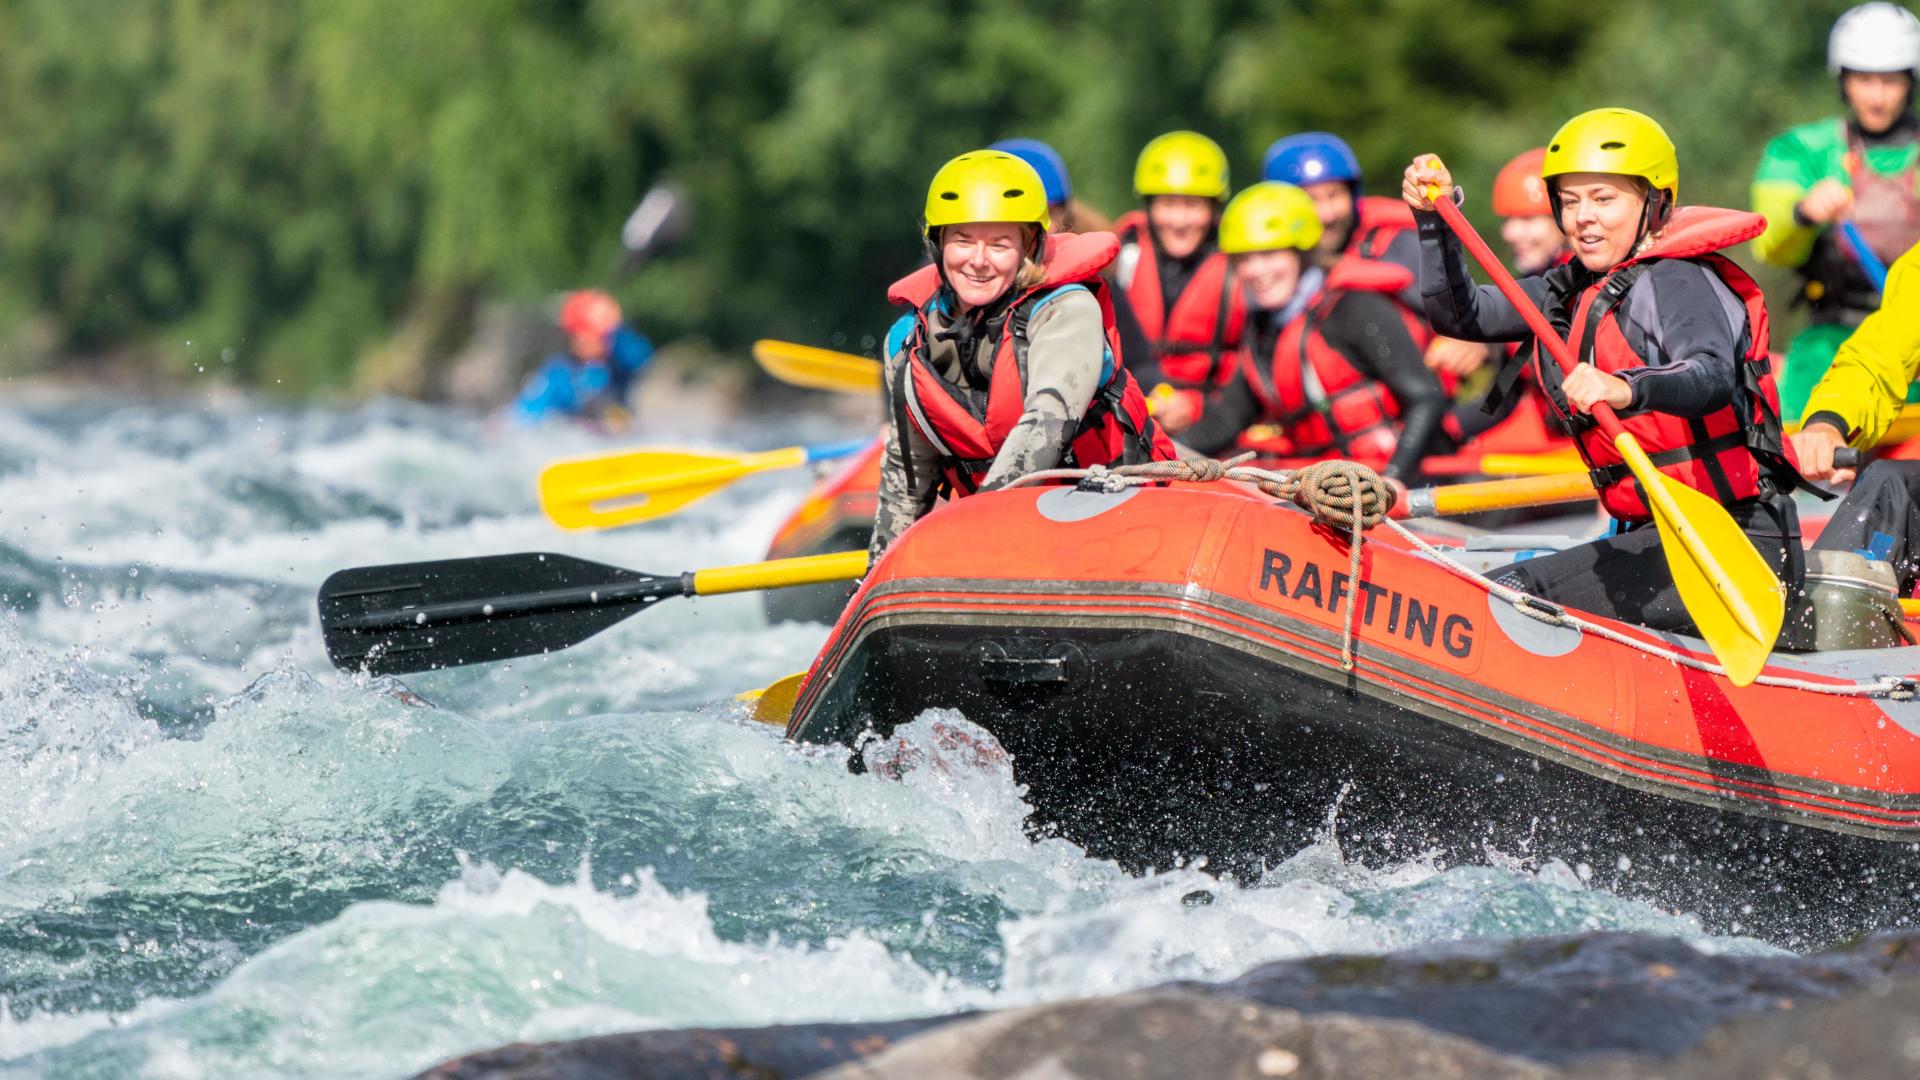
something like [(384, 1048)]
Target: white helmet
[(1874, 37)]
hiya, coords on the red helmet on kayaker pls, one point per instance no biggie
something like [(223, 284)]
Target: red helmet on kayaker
[(589, 313)]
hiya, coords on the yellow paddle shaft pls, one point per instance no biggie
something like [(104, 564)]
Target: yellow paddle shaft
[(1499, 495), (780, 573)]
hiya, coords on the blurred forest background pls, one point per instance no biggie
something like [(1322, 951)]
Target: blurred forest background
[(322, 196)]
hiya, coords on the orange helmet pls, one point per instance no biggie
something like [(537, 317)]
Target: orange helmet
[(1518, 191), (589, 312)]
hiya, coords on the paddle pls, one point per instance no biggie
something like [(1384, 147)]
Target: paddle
[(419, 616), (1868, 259), (605, 491), (773, 703), (818, 369), (1731, 593), (1454, 499)]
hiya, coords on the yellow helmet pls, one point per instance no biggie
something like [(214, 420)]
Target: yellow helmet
[(986, 185), (1618, 141), (1181, 163), (1269, 216)]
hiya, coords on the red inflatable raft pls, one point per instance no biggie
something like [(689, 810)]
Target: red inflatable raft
[(1164, 665)]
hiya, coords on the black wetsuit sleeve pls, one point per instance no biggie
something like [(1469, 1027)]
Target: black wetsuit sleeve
[(1229, 412), (1367, 329), (1455, 304), (1691, 344)]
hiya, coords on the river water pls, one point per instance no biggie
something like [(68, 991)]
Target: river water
[(219, 857)]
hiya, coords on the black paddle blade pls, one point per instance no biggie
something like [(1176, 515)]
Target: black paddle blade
[(408, 617)]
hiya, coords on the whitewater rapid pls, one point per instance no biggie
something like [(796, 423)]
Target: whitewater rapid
[(219, 857)]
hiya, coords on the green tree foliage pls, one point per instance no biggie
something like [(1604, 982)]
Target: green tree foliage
[(279, 190)]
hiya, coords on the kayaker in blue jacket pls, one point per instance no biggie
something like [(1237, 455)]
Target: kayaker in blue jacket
[(591, 378)]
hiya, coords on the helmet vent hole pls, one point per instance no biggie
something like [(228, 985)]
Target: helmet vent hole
[(1555, 148), (1613, 146), (950, 196), (1012, 193)]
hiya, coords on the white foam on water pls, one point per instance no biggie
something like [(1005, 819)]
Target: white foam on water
[(769, 883)]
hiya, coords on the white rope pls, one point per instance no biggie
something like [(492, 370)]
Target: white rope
[(1348, 493)]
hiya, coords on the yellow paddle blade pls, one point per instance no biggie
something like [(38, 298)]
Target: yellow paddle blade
[(609, 490), (1729, 590), (774, 704), (818, 369)]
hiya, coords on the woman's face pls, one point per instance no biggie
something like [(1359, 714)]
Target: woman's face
[(981, 260), (1535, 241), (1180, 222), (1270, 277), (1600, 214)]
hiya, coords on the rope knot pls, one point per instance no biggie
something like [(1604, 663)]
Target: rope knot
[(1344, 493), (1104, 480)]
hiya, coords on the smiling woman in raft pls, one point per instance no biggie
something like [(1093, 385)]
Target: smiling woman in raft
[(1008, 362), (1669, 332)]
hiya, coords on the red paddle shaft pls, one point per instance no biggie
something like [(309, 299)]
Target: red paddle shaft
[(1509, 288)]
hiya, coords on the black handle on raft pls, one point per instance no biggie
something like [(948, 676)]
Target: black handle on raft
[(1848, 458)]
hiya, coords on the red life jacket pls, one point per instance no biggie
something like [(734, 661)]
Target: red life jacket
[(969, 426), (1321, 400), (1734, 454), (1377, 221), (1194, 335)]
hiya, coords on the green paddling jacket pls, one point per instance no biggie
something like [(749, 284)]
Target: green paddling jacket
[(1882, 172)]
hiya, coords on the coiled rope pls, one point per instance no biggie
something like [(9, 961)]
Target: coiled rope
[(1349, 495)]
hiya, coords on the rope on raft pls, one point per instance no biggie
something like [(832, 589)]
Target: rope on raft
[(1349, 495)]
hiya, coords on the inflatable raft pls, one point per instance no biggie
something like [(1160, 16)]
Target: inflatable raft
[(1165, 667), (837, 514)]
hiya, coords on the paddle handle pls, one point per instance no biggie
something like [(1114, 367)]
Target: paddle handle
[(1536, 320), (1868, 259), (1499, 495)]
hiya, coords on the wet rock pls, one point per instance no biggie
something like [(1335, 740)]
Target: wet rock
[(1873, 1034), (1556, 999), (1598, 1007), (1181, 1035), (769, 1053)]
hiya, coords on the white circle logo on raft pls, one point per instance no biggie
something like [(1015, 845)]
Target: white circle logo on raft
[(1312, 169)]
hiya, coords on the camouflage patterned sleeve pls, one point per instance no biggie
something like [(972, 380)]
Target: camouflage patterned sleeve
[(900, 504), (1065, 358)]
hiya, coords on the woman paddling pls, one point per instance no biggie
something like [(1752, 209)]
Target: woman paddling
[(1008, 362), (1671, 334), (1329, 357)]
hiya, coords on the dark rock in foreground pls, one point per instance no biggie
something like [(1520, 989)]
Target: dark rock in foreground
[(1600, 1007)]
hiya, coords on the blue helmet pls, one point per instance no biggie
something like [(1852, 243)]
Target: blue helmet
[(1313, 157), (1045, 161)]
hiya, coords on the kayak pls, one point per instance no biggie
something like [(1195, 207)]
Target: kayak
[(1164, 665)]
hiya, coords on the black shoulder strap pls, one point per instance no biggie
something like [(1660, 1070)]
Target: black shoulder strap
[(902, 371)]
